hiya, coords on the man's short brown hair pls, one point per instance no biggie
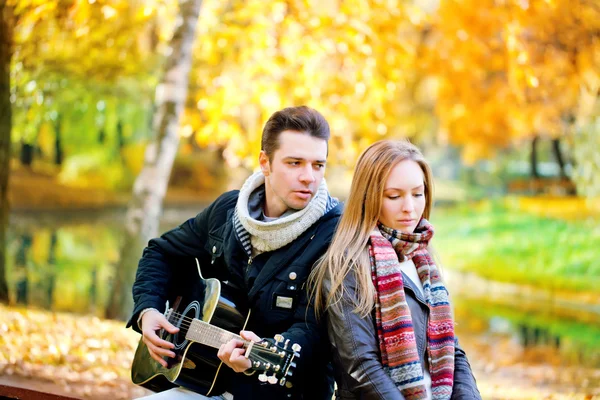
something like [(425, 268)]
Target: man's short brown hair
[(302, 119)]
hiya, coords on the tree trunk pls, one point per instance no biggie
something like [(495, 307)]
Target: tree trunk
[(93, 292), (52, 270), (141, 220), (120, 141), (20, 268), (559, 157), (120, 137), (58, 146), (26, 154), (101, 136), (534, 167), (5, 129)]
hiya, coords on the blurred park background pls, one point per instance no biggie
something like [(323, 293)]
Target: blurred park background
[(97, 110)]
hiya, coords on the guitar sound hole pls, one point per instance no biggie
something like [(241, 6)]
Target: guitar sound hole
[(183, 322)]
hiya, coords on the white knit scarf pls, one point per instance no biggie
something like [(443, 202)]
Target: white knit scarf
[(269, 236)]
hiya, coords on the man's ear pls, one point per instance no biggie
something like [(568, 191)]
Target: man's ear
[(263, 161)]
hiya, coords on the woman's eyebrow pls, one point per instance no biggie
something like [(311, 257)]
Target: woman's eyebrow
[(401, 189)]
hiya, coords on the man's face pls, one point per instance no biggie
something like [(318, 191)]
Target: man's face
[(294, 174)]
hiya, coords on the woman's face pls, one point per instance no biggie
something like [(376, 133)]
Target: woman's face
[(403, 197)]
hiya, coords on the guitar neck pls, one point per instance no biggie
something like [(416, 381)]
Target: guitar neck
[(209, 335)]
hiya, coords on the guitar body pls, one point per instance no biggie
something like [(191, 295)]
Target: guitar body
[(196, 365)]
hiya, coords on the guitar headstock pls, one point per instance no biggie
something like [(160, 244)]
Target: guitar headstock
[(274, 358)]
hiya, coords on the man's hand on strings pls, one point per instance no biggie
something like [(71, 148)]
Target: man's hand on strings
[(153, 321)]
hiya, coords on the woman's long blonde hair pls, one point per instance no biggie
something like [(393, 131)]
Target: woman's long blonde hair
[(348, 250)]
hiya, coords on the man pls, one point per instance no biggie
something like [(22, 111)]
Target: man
[(262, 242)]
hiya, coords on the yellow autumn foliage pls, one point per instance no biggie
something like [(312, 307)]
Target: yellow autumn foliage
[(509, 70), (482, 75)]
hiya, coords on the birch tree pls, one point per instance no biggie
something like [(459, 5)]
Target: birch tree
[(142, 218), (5, 128)]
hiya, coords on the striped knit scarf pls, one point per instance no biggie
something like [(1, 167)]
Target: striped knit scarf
[(399, 355), (260, 236)]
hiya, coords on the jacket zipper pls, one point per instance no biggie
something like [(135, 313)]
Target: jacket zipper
[(426, 355), (248, 267)]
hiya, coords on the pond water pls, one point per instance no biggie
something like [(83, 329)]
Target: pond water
[(64, 261)]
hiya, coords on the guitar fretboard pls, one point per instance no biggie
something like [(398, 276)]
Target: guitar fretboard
[(209, 335)]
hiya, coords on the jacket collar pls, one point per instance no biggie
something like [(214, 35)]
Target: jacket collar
[(281, 258), (410, 285)]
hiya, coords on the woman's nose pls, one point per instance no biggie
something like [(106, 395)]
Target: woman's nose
[(407, 204)]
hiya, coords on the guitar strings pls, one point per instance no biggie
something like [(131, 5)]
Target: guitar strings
[(186, 322)]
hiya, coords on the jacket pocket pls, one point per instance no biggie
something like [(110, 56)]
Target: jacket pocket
[(284, 293)]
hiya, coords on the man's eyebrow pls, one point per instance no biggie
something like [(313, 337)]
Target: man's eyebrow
[(303, 159)]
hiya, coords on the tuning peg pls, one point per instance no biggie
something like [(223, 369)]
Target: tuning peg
[(267, 366), (278, 338), (282, 381), (281, 354), (276, 368), (287, 341), (272, 379), (256, 364), (296, 347), (262, 377)]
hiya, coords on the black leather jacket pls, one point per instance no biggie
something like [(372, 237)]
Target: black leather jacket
[(210, 237), (356, 357)]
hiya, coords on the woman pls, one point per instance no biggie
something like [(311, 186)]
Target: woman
[(388, 313)]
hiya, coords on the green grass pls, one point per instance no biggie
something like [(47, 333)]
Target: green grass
[(578, 339), (508, 245)]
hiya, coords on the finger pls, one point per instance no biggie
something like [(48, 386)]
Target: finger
[(226, 349), (162, 343), (224, 353), (221, 351), (249, 335), (236, 355), (158, 359), (238, 361), (232, 344), (169, 327), (151, 337), (160, 351), (162, 322), (155, 321)]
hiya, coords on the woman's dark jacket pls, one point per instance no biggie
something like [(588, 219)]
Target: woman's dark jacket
[(356, 356), (211, 239)]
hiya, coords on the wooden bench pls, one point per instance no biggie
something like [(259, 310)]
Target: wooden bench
[(20, 393)]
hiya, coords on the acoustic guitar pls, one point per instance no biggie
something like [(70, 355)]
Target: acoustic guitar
[(209, 318)]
